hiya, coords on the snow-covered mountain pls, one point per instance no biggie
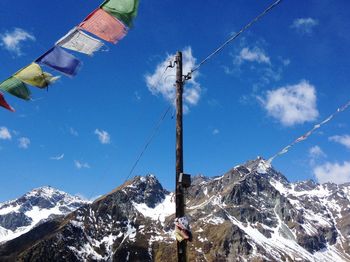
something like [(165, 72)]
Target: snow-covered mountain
[(251, 213), (21, 215)]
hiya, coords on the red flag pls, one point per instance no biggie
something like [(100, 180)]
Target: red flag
[(3, 103), (300, 139), (103, 25)]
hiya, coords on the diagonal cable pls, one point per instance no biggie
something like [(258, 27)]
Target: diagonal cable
[(236, 35)]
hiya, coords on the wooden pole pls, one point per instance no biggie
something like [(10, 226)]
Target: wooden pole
[(179, 194)]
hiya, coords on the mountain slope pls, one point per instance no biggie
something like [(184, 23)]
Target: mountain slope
[(21, 215), (251, 213)]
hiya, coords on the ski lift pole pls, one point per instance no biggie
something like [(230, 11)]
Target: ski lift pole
[(179, 190)]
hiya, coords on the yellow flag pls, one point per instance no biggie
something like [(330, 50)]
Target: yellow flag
[(35, 76)]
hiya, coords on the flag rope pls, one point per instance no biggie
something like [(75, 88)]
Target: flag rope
[(310, 132)]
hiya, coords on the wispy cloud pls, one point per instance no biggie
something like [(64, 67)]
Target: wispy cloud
[(292, 104), (343, 139), (316, 153), (215, 131), (60, 157), (81, 165), (252, 55), (12, 41), (333, 172), (103, 136), (285, 61), (5, 134), (73, 132), (137, 96), (253, 58), (304, 25), (23, 142), (162, 82)]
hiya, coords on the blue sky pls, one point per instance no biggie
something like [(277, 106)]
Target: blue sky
[(274, 83)]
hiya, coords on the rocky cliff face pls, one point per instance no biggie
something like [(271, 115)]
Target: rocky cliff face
[(251, 213), (21, 215)]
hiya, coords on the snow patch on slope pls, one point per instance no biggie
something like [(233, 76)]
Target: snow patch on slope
[(160, 211), (58, 203)]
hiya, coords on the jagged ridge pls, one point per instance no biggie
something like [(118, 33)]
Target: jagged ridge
[(20, 215), (251, 213)]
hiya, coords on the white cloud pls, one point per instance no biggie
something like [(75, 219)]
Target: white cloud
[(216, 131), (23, 142), (81, 165), (344, 140), (333, 172), (316, 152), (304, 25), (252, 55), (286, 62), (73, 132), (12, 41), (255, 59), (137, 96), (162, 83), (5, 134), (103, 136), (57, 157), (292, 104)]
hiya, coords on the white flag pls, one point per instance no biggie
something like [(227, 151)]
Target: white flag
[(79, 41)]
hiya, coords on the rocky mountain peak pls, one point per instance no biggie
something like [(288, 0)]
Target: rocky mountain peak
[(262, 166), (251, 213), (48, 197), (145, 189), (20, 215)]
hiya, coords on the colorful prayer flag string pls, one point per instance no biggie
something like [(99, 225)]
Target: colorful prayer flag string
[(310, 132), (108, 22)]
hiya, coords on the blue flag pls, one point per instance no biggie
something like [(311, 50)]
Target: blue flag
[(60, 60)]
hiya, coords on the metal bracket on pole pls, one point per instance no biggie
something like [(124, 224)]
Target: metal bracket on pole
[(185, 180)]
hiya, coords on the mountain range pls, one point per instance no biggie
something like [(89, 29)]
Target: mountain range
[(21, 215), (251, 213)]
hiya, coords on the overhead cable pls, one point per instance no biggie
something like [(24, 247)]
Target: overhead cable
[(236, 35), (149, 140)]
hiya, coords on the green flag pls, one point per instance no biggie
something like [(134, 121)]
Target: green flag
[(124, 10), (16, 87)]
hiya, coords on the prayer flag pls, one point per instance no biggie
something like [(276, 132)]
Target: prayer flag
[(328, 119), (4, 104), (79, 41), (316, 126), (60, 60), (341, 109), (103, 25), (124, 10), (16, 87), (300, 139), (35, 76)]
